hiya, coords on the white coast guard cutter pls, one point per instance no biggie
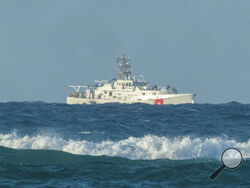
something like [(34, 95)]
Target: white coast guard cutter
[(126, 89)]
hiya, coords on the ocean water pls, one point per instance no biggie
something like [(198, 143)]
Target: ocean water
[(118, 145)]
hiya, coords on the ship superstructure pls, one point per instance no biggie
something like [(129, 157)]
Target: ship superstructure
[(126, 89)]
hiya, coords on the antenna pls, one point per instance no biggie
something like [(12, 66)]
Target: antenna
[(124, 67)]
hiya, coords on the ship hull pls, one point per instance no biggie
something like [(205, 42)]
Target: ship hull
[(164, 100)]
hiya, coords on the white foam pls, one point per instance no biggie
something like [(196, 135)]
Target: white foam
[(147, 147), (85, 132)]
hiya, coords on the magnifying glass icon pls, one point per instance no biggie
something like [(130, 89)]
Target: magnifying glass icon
[(231, 158)]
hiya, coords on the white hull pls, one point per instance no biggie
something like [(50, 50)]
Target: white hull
[(166, 99)]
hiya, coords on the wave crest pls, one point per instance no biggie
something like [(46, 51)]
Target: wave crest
[(147, 147)]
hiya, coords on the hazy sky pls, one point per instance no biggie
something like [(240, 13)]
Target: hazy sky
[(197, 46)]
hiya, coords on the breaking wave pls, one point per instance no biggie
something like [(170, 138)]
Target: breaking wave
[(147, 147)]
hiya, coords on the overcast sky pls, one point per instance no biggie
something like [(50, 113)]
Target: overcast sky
[(198, 46)]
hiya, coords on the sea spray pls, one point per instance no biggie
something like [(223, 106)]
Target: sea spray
[(146, 147)]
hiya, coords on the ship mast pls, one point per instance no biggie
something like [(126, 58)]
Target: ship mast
[(124, 67)]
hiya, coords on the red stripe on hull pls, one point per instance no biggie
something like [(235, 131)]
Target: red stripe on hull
[(159, 101)]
